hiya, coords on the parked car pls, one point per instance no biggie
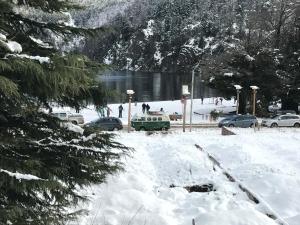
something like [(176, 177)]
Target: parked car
[(175, 116), (151, 122), (239, 121), (274, 107), (106, 123), (283, 112), (76, 119), (287, 120)]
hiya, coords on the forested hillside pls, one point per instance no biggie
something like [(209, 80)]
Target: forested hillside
[(244, 41)]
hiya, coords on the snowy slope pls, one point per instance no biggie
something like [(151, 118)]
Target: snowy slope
[(142, 194)]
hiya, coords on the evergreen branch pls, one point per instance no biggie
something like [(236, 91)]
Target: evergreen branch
[(8, 88)]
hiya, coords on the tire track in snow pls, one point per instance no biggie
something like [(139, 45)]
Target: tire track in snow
[(254, 197)]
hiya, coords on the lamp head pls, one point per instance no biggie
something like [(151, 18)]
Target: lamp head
[(254, 87), (130, 92), (238, 87), (185, 90)]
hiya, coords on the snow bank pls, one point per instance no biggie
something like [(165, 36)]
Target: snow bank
[(143, 193)]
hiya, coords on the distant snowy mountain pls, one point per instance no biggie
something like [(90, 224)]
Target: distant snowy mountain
[(164, 35), (235, 41), (98, 13)]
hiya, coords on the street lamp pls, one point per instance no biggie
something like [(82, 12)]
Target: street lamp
[(185, 93), (192, 96), (254, 91), (238, 91), (129, 93)]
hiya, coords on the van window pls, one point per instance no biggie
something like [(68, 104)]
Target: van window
[(154, 119), (149, 119), (159, 119)]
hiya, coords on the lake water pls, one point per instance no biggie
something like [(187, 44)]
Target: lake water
[(152, 86)]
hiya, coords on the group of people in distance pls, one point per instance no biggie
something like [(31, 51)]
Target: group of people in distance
[(101, 110), (217, 101), (145, 108)]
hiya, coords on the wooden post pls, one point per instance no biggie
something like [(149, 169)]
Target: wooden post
[(184, 113), (254, 101), (192, 98), (129, 113), (237, 102)]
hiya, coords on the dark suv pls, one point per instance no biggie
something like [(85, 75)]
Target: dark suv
[(106, 123), (239, 121)]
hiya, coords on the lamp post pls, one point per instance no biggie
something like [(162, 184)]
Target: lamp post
[(129, 93), (238, 91), (254, 91), (185, 93), (192, 96)]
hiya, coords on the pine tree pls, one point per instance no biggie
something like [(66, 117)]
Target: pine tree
[(43, 163)]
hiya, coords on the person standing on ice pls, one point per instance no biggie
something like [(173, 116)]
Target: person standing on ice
[(120, 111), (147, 108), (108, 111), (143, 107)]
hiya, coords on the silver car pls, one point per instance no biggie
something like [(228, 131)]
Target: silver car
[(287, 120), (239, 121), (76, 119)]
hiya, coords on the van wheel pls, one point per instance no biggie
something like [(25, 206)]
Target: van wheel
[(115, 129), (164, 129), (231, 125), (142, 129), (297, 125), (274, 125)]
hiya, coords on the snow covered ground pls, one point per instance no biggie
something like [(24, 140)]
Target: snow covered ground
[(266, 161), (169, 107)]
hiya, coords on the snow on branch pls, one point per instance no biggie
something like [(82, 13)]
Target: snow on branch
[(12, 46), (40, 42), (2, 37), (38, 58), (20, 176)]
